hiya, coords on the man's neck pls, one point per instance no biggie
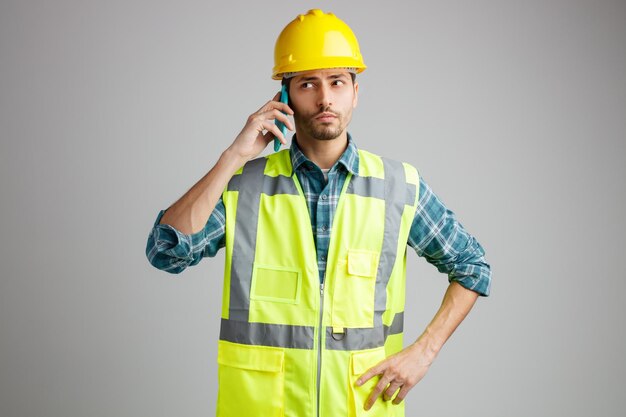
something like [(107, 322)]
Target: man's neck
[(323, 153)]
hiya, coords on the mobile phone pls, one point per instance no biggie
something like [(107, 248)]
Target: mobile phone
[(284, 98)]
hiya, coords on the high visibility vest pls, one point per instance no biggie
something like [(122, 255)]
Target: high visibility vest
[(290, 346)]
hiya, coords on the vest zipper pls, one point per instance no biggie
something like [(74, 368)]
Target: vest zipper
[(319, 348)]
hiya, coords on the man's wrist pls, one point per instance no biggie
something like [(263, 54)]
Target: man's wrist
[(427, 347), (231, 160)]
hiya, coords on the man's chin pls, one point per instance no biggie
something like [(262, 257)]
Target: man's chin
[(326, 135)]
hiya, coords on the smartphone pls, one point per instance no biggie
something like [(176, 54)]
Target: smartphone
[(284, 98)]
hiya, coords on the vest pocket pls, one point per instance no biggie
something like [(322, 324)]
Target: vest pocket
[(275, 283), (251, 380), (359, 363), (355, 286)]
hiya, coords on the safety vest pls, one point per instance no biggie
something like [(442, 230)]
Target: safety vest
[(290, 346)]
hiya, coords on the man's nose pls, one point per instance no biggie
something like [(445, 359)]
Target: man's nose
[(324, 97)]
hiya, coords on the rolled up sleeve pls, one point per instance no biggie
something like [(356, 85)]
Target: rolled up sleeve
[(441, 239), (172, 251)]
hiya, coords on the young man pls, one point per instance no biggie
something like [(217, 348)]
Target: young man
[(315, 239)]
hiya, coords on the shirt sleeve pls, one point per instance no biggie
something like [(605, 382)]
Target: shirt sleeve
[(172, 251), (438, 236)]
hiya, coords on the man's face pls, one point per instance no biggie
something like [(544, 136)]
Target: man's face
[(322, 101)]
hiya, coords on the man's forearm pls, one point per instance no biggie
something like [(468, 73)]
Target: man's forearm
[(456, 304), (190, 213)]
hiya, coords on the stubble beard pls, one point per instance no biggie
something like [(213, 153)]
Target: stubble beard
[(321, 131)]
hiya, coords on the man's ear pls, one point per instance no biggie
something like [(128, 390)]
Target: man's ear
[(356, 95)]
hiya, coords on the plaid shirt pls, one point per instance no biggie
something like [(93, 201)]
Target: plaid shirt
[(435, 233)]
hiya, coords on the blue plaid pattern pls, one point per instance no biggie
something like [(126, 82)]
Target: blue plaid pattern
[(436, 234)]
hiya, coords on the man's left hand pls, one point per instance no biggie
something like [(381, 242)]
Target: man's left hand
[(400, 371)]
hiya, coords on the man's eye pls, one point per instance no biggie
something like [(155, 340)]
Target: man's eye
[(338, 82), (306, 85)]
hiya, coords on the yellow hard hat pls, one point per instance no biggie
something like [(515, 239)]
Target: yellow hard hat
[(316, 40)]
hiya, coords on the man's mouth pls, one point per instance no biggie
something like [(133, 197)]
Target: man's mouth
[(326, 117)]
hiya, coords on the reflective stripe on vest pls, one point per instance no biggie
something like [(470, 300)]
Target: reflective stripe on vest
[(245, 238), (394, 184), (301, 337)]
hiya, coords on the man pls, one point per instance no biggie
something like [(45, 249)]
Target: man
[(315, 239)]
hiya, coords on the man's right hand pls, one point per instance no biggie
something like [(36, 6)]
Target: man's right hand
[(260, 129), (190, 213)]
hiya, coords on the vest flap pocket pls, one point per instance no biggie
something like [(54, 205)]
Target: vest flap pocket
[(251, 380), (354, 289), (256, 358), (362, 262), (362, 361)]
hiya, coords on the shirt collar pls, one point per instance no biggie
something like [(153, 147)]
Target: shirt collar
[(349, 158)]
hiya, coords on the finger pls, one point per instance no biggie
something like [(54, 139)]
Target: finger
[(284, 107), (374, 370), (271, 127), (257, 120), (364, 378), (268, 104), (269, 114), (269, 137), (277, 114), (400, 397), (275, 104), (378, 389), (391, 390)]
